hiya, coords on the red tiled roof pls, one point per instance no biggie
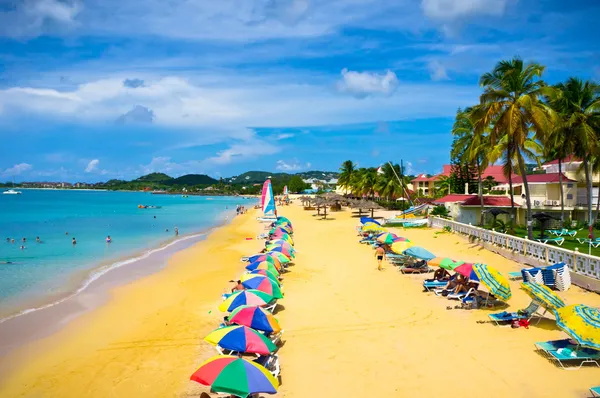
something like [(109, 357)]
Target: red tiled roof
[(488, 201), (473, 200), (541, 178), (455, 197), (568, 159)]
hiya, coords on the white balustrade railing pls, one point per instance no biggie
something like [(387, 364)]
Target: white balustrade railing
[(581, 263)]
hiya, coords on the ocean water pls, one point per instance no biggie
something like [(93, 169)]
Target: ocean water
[(54, 268)]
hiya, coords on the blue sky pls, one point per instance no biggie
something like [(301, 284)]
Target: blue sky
[(99, 89)]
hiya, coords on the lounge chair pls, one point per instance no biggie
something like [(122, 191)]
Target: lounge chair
[(509, 317), (271, 363), (558, 240), (461, 295), (565, 353), (430, 285), (595, 391), (594, 243), (515, 275)]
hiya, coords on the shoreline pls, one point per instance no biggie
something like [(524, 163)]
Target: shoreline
[(80, 280)]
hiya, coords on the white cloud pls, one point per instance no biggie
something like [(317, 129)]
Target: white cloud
[(17, 169), (294, 165), (284, 136), (364, 84), (450, 10), (29, 18), (437, 71), (92, 166)]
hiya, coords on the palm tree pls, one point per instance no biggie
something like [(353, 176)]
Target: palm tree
[(388, 184), (511, 105), (346, 171), (578, 105), (474, 149)]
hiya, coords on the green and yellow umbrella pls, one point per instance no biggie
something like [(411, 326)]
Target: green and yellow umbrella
[(543, 295), (582, 323), (401, 246), (496, 283)]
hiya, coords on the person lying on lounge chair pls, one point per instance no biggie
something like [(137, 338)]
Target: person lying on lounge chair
[(441, 275), (237, 287)]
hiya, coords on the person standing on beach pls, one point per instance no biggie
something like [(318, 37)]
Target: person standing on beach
[(380, 254)]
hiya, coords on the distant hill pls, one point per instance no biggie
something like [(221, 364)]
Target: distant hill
[(154, 177), (256, 177), (193, 179)]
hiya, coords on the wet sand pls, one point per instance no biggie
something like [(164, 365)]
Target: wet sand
[(350, 330)]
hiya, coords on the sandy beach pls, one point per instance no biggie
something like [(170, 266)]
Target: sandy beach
[(350, 330)]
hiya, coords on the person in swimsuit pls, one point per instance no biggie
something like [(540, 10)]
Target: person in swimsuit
[(380, 254)]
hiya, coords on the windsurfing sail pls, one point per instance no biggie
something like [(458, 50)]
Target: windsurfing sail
[(268, 200)]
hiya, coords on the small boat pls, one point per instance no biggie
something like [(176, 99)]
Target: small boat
[(11, 192)]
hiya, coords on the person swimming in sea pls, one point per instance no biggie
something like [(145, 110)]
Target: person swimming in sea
[(74, 242), (108, 239)]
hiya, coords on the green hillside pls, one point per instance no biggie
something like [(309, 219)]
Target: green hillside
[(193, 179), (154, 177)]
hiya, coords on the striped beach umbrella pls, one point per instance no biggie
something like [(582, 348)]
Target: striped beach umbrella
[(267, 266), (264, 284), (241, 338), (256, 318), (491, 278), (245, 297), (582, 323), (235, 376), (266, 273), (543, 295), (386, 238)]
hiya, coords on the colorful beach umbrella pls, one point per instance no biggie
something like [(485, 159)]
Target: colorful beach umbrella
[(400, 247), (241, 338), (256, 318), (236, 376), (282, 250), (400, 239), (266, 273), (444, 262), (283, 259), (267, 266), (263, 284), (265, 257), (419, 252), (543, 295), (491, 278), (582, 323), (245, 297), (364, 220), (386, 238)]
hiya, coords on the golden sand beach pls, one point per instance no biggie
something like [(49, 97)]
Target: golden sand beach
[(350, 330)]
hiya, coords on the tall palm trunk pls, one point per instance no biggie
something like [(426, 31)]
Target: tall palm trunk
[(480, 192), (527, 197), (588, 181), (562, 194)]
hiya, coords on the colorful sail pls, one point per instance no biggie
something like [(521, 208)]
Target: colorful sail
[(268, 200)]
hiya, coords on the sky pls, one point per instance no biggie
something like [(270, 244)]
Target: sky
[(97, 89)]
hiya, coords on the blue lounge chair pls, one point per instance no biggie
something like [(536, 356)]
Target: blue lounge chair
[(558, 240), (595, 391), (430, 285), (569, 356), (509, 317)]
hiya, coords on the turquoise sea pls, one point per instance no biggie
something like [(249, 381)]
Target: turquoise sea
[(54, 268)]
